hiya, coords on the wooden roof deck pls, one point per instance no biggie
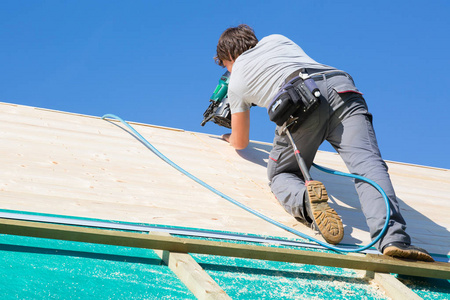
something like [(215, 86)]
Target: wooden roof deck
[(75, 165)]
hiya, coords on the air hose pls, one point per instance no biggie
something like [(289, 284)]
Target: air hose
[(250, 210)]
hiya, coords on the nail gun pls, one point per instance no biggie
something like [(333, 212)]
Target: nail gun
[(219, 108), (219, 112)]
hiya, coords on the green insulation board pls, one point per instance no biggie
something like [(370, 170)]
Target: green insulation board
[(253, 279), (427, 288), (35, 268), (32, 268)]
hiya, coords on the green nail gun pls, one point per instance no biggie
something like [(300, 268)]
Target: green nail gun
[(219, 108)]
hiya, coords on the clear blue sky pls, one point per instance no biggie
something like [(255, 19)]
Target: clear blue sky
[(152, 61)]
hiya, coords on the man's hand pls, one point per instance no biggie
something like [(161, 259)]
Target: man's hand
[(226, 137)]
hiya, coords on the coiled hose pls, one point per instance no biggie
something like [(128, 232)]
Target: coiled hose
[(248, 209)]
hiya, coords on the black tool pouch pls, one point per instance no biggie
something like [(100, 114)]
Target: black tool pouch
[(294, 99)]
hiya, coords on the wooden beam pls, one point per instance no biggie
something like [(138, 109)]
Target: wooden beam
[(393, 287), (193, 276), (378, 263)]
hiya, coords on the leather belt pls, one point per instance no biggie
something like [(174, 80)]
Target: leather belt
[(322, 76), (318, 76)]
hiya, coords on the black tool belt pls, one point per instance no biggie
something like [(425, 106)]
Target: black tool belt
[(296, 99)]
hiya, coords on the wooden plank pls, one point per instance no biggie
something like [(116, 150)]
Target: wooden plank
[(149, 241), (166, 216), (95, 169), (393, 287), (192, 275)]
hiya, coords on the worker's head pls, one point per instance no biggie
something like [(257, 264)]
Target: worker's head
[(233, 42)]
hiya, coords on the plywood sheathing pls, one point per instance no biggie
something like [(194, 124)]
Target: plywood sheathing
[(76, 165)]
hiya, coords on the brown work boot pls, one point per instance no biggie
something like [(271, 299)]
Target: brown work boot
[(323, 217), (403, 250)]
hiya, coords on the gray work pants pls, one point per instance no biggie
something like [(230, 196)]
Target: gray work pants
[(344, 121)]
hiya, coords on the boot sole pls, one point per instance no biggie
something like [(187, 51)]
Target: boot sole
[(408, 254), (325, 218)]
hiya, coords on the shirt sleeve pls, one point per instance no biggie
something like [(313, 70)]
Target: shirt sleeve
[(236, 94), (237, 103)]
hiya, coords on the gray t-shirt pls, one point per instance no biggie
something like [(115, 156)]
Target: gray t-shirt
[(260, 72)]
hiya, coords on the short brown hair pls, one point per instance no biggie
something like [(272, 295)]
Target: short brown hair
[(233, 42)]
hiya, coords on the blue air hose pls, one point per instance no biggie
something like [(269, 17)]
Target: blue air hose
[(298, 233)]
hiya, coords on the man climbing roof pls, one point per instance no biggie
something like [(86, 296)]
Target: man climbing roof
[(259, 69)]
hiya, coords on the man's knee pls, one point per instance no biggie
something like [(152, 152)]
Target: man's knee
[(289, 190)]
